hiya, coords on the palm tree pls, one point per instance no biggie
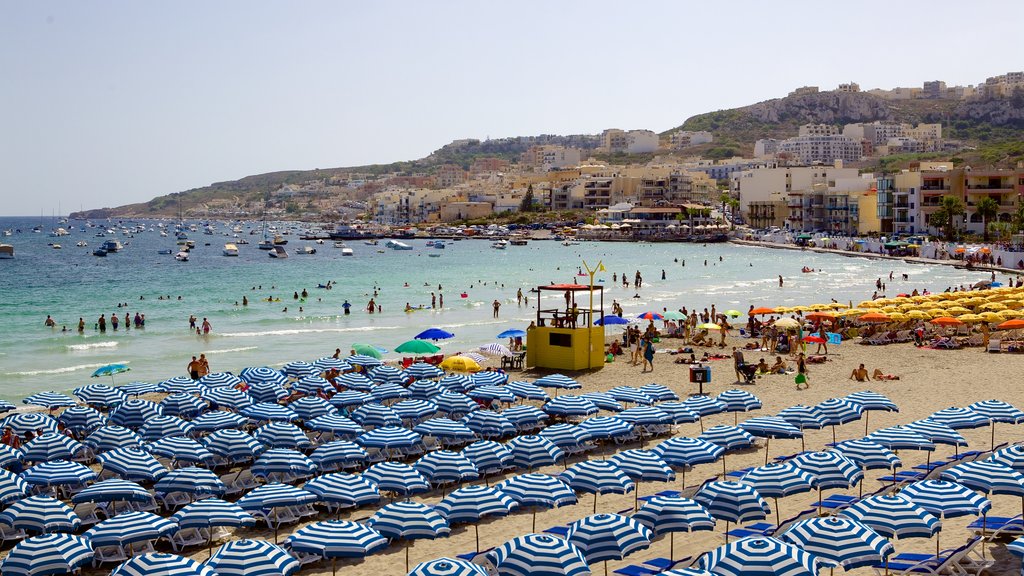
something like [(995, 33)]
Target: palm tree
[(945, 216), (987, 208)]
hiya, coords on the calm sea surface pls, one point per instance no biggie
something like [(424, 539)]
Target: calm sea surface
[(70, 283)]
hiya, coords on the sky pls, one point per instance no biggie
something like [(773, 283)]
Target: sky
[(105, 103)]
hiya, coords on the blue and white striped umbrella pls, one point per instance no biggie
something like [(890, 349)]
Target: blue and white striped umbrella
[(570, 405), (538, 490), (354, 381), (134, 413), (299, 369), (338, 453), (448, 567), (389, 437), (739, 400), (328, 362), (1016, 547), (389, 391), (778, 480), (488, 456), (704, 405), (564, 435), (46, 555), (525, 415), (350, 398), (987, 477), (210, 512), (338, 425), (129, 528), (282, 435), (600, 427), (409, 521), (50, 446), (893, 517), (603, 401), (22, 423), (262, 374), (665, 514), (376, 415), (770, 427), (643, 466), (81, 419), (488, 424), (337, 539), (538, 555), (219, 420), (644, 415), (687, 452), (444, 466), (252, 558), (454, 403), (760, 556), (839, 541), (181, 404), (100, 395), (488, 378), (659, 393), (597, 477), (139, 388), (728, 437), (900, 438), (343, 489), (312, 385), (1012, 456), (869, 455), (311, 407), (527, 391), (159, 564), (937, 432), (630, 395), (998, 411), (388, 375), (829, 469), (420, 370), (50, 400), (732, 501), (58, 472), (533, 451), (456, 382), (9, 455), (180, 384), (274, 495), (6, 406), (267, 392), (557, 381), (283, 461), (159, 427), (489, 393), (445, 428), (228, 398), (113, 490), (604, 537), (41, 514), (219, 380), (269, 412), (181, 449), (107, 438), (960, 418), (414, 409), (803, 417), (678, 412), (233, 445), (838, 411), (872, 401), (946, 499), (191, 480), (424, 389), (396, 477), (12, 487), (132, 463), (472, 503)]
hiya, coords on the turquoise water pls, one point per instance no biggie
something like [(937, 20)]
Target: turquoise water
[(71, 283)]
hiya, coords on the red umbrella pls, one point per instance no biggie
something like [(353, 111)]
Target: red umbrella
[(815, 339), (650, 316)]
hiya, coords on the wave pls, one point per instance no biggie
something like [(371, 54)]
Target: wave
[(109, 344), (63, 370), (294, 331), (229, 350)]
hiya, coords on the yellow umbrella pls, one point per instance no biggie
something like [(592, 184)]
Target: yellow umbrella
[(991, 317), (957, 310), (898, 317), (838, 305), (783, 310), (1014, 304), (868, 304), (970, 318), (460, 364), (1010, 314), (800, 308), (787, 323), (918, 315), (993, 306), (709, 326), (820, 306)]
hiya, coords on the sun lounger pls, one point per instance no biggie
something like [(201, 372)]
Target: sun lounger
[(9, 533), (636, 570), (756, 529), (470, 556), (186, 537), (661, 564), (89, 513), (957, 561), (106, 554), (560, 531)]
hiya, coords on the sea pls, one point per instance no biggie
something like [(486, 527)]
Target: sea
[(70, 283)]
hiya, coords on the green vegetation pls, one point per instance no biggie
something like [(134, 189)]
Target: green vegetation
[(945, 216), (987, 208)]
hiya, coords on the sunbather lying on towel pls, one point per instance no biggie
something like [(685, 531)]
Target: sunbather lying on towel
[(877, 375)]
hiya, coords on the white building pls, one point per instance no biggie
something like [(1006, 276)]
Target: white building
[(766, 147), (686, 138), (827, 149)]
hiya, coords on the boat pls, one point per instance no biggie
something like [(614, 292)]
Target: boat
[(265, 244), (305, 250), (112, 246), (99, 252), (500, 244), (6, 251), (347, 252), (350, 232), (278, 252), (82, 244), (518, 242), (55, 246), (397, 245), (370, 242), (434, 255), (181, 256), (165, 251), (280, 240), (230, 249), (241, 241), (439, 245), (340, 244)]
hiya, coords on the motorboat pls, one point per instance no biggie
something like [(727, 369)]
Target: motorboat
[(280, 240), (305, 250), (241, 241), (181, 256), (165, 251), (370, 242), (82, 244), (278, 252), (55, 246), (6, 251), (99, 252), (347, 252), (112, 246), (230, 249), (518, 241), (266, 244), (500, 244), (340, 245), (397, 245)]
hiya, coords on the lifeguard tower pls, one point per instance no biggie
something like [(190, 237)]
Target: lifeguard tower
[(567, 334)]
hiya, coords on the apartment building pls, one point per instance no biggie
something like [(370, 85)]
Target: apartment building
[(449, 175), (686, 138), (818, 130), (549, 156), (631, 142), (825, 149), (810, 197), (489, 166)]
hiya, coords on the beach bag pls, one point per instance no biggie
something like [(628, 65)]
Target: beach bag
[(801, 379)]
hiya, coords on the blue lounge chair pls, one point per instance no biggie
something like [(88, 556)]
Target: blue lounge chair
[(756, 529), (635, 570), (561, 531), (661, 564)]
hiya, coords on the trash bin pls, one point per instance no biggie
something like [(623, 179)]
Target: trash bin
[(700, 374)]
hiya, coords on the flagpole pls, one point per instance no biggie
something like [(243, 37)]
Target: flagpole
[(590, 321)]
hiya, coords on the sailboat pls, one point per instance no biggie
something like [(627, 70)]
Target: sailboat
[(266, 243)]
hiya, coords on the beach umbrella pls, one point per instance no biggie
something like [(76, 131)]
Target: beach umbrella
[(100, 395), (329, 362), (937, 432), (284, 462), (22, 423), (414, 409), (310, 407), (409, 521), (960, 418), (564, 435), (448, 567), (703, 406), (354, 381), (453, 403), (110, 370), (644, 416), (389, 391), (829, 470), (350, 398), (604, 537), (113, 490), (868, 455), (732, 502), (603, 401), (728, 437), (129, 528), (6, 406), (180, 449), (488, 456), (192, 481), (597, 477), (50, 400), (311, 385), (434, 334), (997, 411), (678, 412), (630, 395), (945, 499), (282, 435), (134, 413), (871, 401), (803, 418), (659, 393), (274, 495), (366, 356), (839, 541), (219, 420), (532, 451), (538, 490), (610, 321), (219, 380), (132, 463), (159, 427), (444, 428), (527, 391), (900, 438), (345, 490), (570, 405), (376, 415), (269, 412), (139, 388), (600, 427), (557, 381), (47, 554), (58, 472), (233, 445), (456, 382), (180, 384), (337, 539), (988, 478), (421, 370), (525, 416), (893, 517), (777, 481), (389, 438), (538, 555), (210, 512), (643, 466), (50, 446), (838, 411), (41, 514), (424, 389), (687, 452), (674, 514), (12, 487), (401, 479), (252, 558), (338, 453), (228, 398), (650, 316), (760, 556), (496, 349), (737, 401), (512, 333), (488, 424), (1011, 456), (81, 419), (421, 347), (769, 427), (8, 455), (387, 375), (443, 466), (472, 503), (262, 375), (488, 378), (298, 369), (181, 404), (158, 564), (266, 393)]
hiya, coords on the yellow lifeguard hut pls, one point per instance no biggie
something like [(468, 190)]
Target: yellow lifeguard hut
[(569, 337)]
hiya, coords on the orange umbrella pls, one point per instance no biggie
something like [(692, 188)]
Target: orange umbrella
[(946, 321), (762, 310), (874, 317), (821, 316), (1014, 324)]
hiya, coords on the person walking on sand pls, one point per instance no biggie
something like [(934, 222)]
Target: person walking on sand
[(824, 339), (737, 362), (801, 372), (204, 365), (648, 348), (193, 368), (496, 305)]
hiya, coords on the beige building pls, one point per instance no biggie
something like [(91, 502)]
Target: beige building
[(632, 142), (551, 156), (685, 138), (818, 130), (455, 211), (448, 175)]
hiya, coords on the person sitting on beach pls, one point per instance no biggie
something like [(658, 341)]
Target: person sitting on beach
[(615, 348), (878, 375), (10, 438), (779, 367), (860, 374), (762, 367)]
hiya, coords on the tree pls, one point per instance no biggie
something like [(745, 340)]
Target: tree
[(527, 204), (1018, 218), (945, 216), (987, 208)]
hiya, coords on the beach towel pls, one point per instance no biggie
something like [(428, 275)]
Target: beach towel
[(834, 338)]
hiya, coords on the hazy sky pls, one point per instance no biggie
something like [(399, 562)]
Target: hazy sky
[(105, 103)]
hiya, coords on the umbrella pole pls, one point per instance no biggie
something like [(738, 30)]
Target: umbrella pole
[(534, 520), (767, 441), (992, 447), (833, 433), (334, 566), (778, 519), (595, 502), (636, 497), (866, 414), (803, 446), (723, 464), (209, 544), (406, 556), (726, 531), (477, 528), (684, 483), (819, 501), (672, 545)]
